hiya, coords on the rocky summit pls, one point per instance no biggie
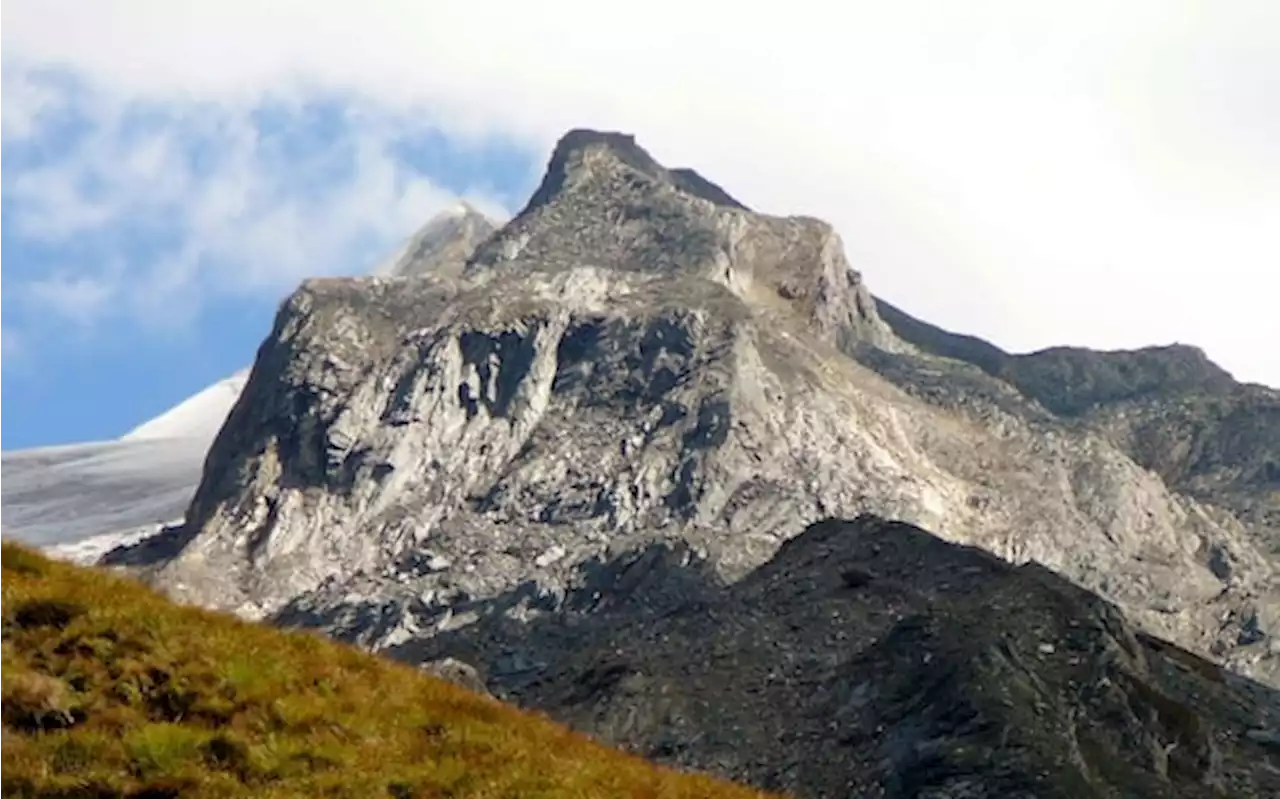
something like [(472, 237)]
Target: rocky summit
[(638, 375)]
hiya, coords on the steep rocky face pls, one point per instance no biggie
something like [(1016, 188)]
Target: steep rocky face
[(1169, 409), (638, 358), (535, 421), (870, 658)]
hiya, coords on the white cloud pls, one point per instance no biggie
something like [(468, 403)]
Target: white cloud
[(1082, 172), (27, 103), (184, 199), (10, 346), (81, 299)]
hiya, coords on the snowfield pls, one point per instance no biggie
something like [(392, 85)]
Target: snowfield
[(80, 500), (61, 495)]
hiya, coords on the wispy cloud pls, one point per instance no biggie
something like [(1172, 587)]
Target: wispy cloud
[(81, 299), (184, 200), (28, 102)]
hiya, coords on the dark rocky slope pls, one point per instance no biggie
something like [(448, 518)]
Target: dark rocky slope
[(870, 658)]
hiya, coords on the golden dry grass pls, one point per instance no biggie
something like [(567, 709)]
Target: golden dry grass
[(109, 690)]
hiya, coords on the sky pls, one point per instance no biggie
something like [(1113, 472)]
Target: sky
[(1037, 173)]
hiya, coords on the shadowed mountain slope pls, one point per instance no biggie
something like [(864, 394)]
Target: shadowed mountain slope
[(870, 658)]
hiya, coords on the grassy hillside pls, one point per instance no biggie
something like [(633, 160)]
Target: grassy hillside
[(111, 691)]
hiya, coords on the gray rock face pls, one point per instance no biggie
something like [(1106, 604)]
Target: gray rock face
[(1169, 409), (605, 204), (638, 358)]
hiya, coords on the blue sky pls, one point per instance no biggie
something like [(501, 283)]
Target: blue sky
[(145, 255), (1084, 173)]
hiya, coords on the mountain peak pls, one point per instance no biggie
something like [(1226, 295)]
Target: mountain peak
[(577, 149), (606, 203), (456, 209), (442, 245)]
